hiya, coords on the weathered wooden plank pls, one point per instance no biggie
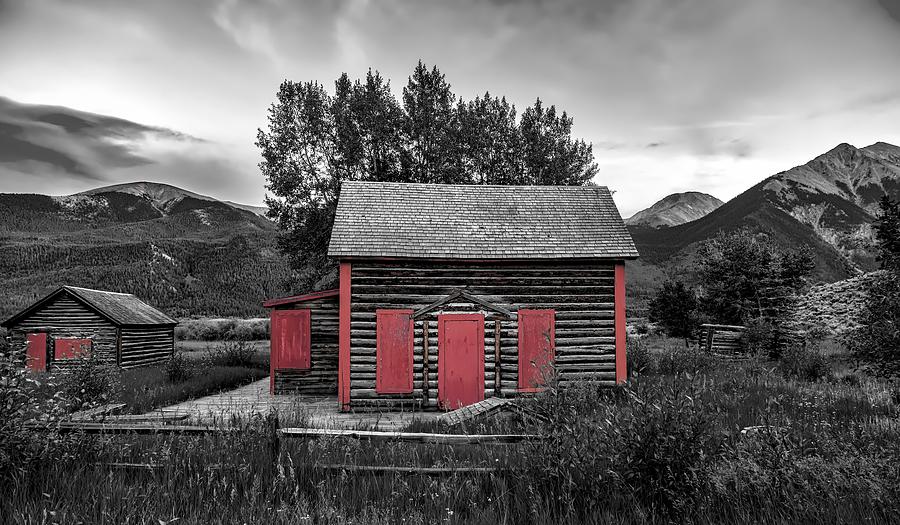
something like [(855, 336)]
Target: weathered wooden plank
[(408, 437)]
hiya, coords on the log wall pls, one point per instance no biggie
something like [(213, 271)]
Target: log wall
[(581, 293), (321, 378), (149, 345), (64, 317)]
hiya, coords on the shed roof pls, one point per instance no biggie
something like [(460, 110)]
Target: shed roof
[(123, 309), (294, 299), (456, 221)]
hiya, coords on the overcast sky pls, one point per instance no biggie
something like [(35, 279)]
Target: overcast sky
[(675, 95)]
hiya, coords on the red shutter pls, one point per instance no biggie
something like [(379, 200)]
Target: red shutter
[(537, 347), (291, 339), (36, 352), (394, 351), (71, 348)]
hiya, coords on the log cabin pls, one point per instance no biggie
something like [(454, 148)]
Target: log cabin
[(453, 293), (117, 328)]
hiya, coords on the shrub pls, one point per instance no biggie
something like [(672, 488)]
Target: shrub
[(231, 353), (89, 383), (21, 402), (638, 356), (674, 308), (760, 338), (222, 329), (676, 358), (876, 343), (179, 368), (804, 363), (650, 446)]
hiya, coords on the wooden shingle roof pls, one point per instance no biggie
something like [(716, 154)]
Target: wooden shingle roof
[(444, 221), (122, 309)]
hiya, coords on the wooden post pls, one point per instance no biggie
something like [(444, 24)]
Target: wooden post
[(344, 338), (497, 357), (621, 363), (425, 358)]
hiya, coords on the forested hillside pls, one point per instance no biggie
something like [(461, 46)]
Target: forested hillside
[(189, 255)]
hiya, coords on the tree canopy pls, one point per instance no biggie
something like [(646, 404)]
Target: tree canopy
[(316, 139), (876, 343), (746, 277)]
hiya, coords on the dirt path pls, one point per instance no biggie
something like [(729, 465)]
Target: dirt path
[(313, 411)]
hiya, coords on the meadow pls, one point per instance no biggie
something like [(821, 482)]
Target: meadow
[(690, 438)]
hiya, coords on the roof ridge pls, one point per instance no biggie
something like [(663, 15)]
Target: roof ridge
[(511, 186), (471, 221), (96, 290)]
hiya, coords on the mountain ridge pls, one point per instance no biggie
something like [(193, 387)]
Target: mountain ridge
[(828, 203), (184, 252), (675, 209)]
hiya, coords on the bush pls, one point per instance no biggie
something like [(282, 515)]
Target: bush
[(21, 402), (630, 445), (179, 368), (760, 338), (222, 329), (231, 353), (638, 356), (876, 343), (90, 383), (674, 308), (675, 359), (806, 364)]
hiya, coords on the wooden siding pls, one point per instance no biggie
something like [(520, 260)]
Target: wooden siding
[(322, 376), (143, 346), (64, 317), (582, 294)]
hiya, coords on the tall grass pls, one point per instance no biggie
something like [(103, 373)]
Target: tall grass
[(668, 447)]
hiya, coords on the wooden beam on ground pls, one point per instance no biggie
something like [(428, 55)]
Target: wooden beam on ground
[(145, 418), (89, 427), (421, 471), (411, 437), (97, 412)]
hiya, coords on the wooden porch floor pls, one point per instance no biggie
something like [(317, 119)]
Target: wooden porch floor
[(243, 403)]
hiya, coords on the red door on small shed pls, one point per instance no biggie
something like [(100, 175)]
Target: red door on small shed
[(290, 343), (537, 347), (460, 360), (36, 352), (394, 351)]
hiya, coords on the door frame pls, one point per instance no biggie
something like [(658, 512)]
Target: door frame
[(442, 320)]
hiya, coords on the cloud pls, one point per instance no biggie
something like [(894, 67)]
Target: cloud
[(39, 139), (892, 7)]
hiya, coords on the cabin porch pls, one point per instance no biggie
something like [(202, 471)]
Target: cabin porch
[(317, 411)]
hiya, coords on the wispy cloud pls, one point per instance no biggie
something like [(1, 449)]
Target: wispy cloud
[(39, 139)]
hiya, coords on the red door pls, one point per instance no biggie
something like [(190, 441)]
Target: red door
[(36, 352), (537, 344), (460, 360), (393, 351), (290, 344)]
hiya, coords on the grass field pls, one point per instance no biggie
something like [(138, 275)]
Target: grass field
[(690, 439)]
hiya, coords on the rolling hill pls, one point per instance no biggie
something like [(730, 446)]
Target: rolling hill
[(675, 209), (827, 204), (186, 253)]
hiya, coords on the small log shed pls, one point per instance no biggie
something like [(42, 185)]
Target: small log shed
[(304, 343), (72, 322), (450, 294)]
